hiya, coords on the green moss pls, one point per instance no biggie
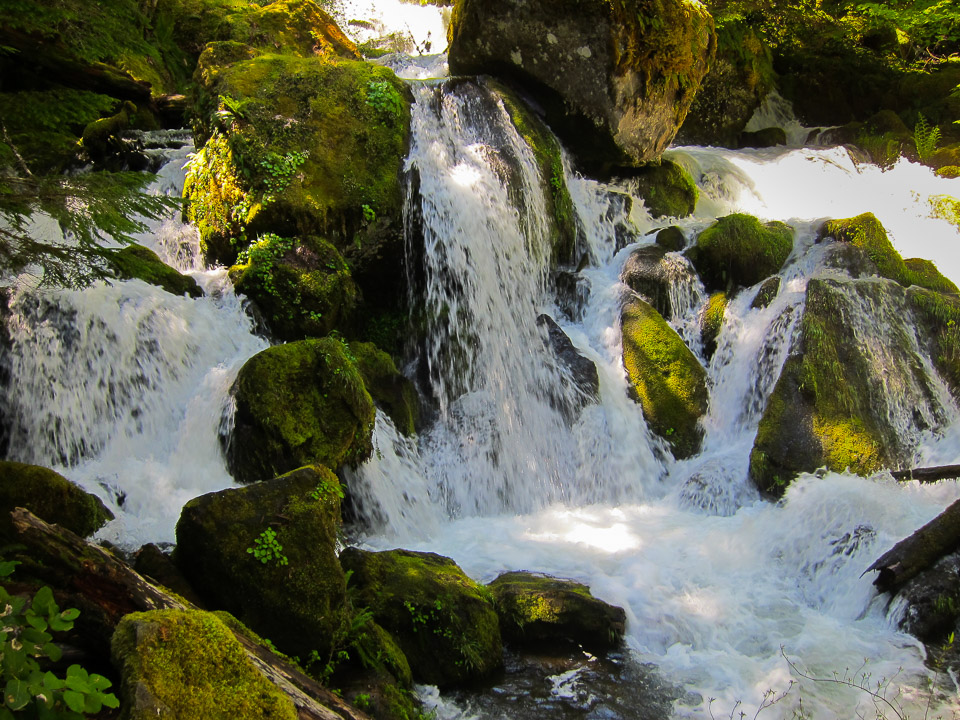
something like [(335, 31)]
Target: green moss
[(949, 171), (865, 232), (946, 208), (925, 274), (49, 496), (671, 239), (666, 188), (669, 382), (302, 286), (188, 664), (942, 315), (297, 404), (136, 261), (387, 386), (712, 321), (444, 622), (738, 250), (300, 605), (767, 293)]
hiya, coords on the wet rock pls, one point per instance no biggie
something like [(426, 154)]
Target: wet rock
[(768, 137), (152, 562), (767, 293), (647, 273), (573, 292), (536, 609), (443, 621), (613, 84), (666, 188), (582, 370), (137, 261), (739, 250), (388, 388), (931, 604), (672, 239), (712, 322)]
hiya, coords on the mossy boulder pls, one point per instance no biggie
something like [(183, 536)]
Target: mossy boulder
[(302, 286), (712, 321), (137, 261), (647, 273), (665, 376), (939, 314), (102, 137), (925, 274), (538, 609), (666, 188), (187, 664), (738, 250), (767, 293), (829, 406), (299, 404), (672, 239), (267, 554), (949, 171), (299, 147), (387, 386), (615, 79), (49, 496), (444, 621)]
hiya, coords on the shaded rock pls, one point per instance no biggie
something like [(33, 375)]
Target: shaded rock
[(267, 554), (767, 293), (51, 497), (768, 137), (150, 561), (931, 601), (185, 664), (712, 322), (738, 250), (573, 292), (443, 621), (302, 286), (537, 609), (672, 239), (666, 188), (667, 379), (102, 138), (647, 273), (299, 404), (387, 386), (137, 261), (614, 83), (582, 370)]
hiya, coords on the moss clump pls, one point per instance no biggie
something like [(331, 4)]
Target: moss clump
[(666, 188), (296, 595), (136, 261), (738, 250), (671, 239), (767, 293), (539, 608), (298, 404), (867, 233), (188, 664), (302, 286), (946, 208), (712, 321), (387, 386), (925, 274), (444, 622), (949, 171), (668, 380), (49, 496), (941, 314)]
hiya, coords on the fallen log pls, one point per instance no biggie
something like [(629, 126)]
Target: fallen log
[(912, 555), (111, 589), (928, 474)]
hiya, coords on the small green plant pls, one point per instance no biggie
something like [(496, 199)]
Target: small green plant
[(362, 701), (325, 489), (262, 257), (25, 643), (369, 214), (280, 171), (267, 548), (925, 137), (384, 98)]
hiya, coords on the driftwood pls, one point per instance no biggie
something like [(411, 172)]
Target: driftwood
[(911, 556), (116, 589), (929, 474)]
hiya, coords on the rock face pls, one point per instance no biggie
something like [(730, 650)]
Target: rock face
[(267, 554), (666, 377), (50, 496), (299, 404), (616, 79), (738, 250), (536, 609), (443, 621)]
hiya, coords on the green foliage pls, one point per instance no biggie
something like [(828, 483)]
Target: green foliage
[(25, 643), (267, 548), (279, 171), (262, 256), (384, 98), (925, 138), (325, 488)]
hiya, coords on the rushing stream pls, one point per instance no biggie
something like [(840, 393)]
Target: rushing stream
[(124, 389)]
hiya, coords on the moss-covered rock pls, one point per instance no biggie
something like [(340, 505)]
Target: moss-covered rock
[(102, 137), (940, 314), (299, 147), (829, 405), (137, 261), (444, 621), (49, 496), (666, 188), (767, 293), (186, 664), (672, 239), (536, 609), (267, 554), (668, 380), (299, 404), (712, 321), (615, 78), (949, 171), (925, 274), (647, 273), (387, 386), (302, 286), (739, 250)]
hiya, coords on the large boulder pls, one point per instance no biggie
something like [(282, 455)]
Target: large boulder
[(267, 554), (142, 263), (666, 188), (187, 664), (615, 79), (665, 377), (444, 621), (49, 496), (299, 404), (537, 609), (738, 250)]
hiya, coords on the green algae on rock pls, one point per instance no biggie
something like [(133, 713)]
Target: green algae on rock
[(185, 665), (298, 603), (137, 261), (667, 379), (387, 386), (739, 250), (299, 404), (712, 321), (444, 621)]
